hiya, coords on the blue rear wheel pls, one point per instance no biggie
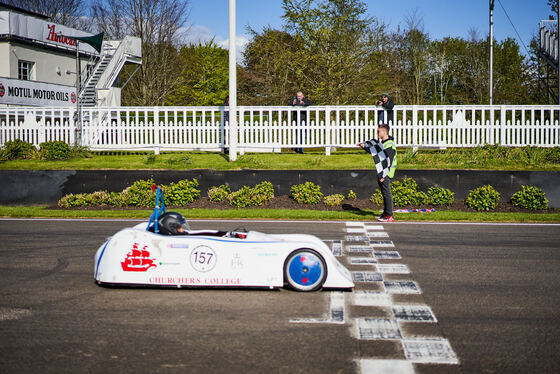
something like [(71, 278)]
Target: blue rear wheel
[(305, 270)]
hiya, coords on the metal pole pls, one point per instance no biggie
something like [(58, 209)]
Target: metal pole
[(232, 84), (558, 46), (78, 129), (491, 41)]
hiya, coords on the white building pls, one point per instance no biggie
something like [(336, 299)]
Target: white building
[(38, 63)]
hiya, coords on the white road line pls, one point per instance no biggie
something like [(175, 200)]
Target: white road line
[(355, 230), (356, 238), (375, 366), (280, 221), (336, 311), (359, 248), (373, 227), (283, 221), (355, 223), (377, 234)]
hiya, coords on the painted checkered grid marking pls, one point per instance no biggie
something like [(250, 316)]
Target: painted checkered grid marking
[(377, 328), (382, 243), (429, 350), (413, 313), (377, 234), (402, 287), (366, 276), (375, 366), (337, 248), (356, 238), (373, 227), (362, 261), (390, 255), (417, 350), (393, 269), (372, 298), (359, 249)]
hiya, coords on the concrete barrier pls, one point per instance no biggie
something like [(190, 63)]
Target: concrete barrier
[(33, 187)]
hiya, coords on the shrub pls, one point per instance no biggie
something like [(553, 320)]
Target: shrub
[(483, 198), (307, 193), (140, 194), (256, 196), (376, 198), (17, 149), (241, 198), (440, 196), (406, 192), (352, 195), (115, 199), (181, 193), (72, 200), (55, 150), (530, 197), (334, 200), (262, 193), (219, 193)]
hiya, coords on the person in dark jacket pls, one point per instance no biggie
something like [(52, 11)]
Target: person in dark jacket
[(384, 152), (301, 101), (386, 115)]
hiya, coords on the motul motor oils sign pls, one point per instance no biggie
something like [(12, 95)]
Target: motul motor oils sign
[(19, 92)]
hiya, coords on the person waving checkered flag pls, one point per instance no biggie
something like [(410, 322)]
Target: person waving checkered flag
[(384, 153), (382, 162)]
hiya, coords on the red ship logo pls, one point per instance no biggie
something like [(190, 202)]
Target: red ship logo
[(138, 259)]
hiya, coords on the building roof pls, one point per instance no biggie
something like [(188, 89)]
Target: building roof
[(13, 8)]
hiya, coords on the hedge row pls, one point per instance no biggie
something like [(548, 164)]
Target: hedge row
[(55, 150), (405, 193)]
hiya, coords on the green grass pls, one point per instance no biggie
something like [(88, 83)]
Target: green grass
[(485, 158), (282, 214)]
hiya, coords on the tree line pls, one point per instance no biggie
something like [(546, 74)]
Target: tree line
[(332, 50)]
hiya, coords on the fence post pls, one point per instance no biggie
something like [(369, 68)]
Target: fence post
[(413, 127), (328, 137), (156, 135), (502, 123)]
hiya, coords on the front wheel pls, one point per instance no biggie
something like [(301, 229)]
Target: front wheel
[(305, 270)]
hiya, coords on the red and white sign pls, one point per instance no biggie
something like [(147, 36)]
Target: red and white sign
[(33, 28), (31, 93)]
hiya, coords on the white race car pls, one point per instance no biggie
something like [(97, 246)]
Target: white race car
[(138, 256)]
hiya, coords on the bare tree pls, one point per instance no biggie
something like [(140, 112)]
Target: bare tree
[(65, 12), (158, 23)]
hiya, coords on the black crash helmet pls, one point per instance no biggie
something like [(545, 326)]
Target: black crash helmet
[(170, 222)]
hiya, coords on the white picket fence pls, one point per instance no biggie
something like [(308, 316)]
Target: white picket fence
[(274, 128)]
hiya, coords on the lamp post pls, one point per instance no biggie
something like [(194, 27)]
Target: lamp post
[(232, 84), (491, 41)]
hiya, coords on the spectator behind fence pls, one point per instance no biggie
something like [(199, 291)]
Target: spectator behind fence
[(300, 100), (385, 115)]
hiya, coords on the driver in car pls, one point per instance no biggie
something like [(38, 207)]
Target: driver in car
[(173, 223)]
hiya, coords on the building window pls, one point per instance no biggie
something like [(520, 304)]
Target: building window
[(25, 70)]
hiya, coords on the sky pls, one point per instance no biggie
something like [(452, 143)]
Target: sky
[(209, 18)]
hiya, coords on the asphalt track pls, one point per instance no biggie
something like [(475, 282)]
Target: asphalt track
[(495, 290)]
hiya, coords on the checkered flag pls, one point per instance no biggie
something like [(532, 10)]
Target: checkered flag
[(382, 162)]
